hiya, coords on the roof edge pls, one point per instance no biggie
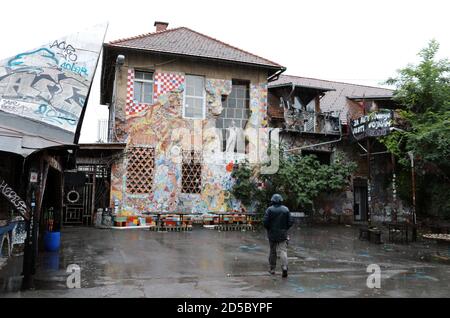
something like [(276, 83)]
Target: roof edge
[(290, 84), (339, 82), (267, 66), (116, 43)]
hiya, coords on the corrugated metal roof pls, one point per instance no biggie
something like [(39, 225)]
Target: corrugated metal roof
[(185, 41), (336, 100)]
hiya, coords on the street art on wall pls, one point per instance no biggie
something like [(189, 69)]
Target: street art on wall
[(216, 88), (375, 124), (164, 83), (162, 126), (50, 84)]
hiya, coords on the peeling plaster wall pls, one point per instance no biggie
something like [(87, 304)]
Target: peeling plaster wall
[(383, 207), (162, 126)]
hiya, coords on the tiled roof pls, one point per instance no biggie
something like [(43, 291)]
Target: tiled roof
[(185, 41), (336, 100)]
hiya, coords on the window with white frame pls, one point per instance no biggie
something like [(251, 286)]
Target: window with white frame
[(143, 87), (194, 97)]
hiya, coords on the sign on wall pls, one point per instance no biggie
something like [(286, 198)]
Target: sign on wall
[(50, 84), (373, 125)]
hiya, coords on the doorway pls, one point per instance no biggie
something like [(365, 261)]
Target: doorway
[(86, 190), (360, 203)]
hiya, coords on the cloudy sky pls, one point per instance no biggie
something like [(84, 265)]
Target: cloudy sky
[(354, 41)]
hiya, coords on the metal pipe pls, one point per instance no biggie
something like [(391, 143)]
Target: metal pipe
[(375, 153), (413, 180), (120, 60)]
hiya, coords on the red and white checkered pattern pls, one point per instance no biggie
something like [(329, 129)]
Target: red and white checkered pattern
[(164, 83), (167, 82), (132, 107)]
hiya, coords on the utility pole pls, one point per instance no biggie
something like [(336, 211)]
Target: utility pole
[(30, 248), (394, 190), (369, 184), (413, 180)]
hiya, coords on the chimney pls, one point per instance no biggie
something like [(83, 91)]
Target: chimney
[(161, 26)]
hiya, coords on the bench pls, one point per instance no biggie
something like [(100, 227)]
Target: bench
[(398, 232), (301, 217), (370, 234)]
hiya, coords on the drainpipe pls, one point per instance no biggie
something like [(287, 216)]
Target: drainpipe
[(120, 60)]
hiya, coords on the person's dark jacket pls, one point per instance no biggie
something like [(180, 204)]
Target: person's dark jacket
[(277, 220)]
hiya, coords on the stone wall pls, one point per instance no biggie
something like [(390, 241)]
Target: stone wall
[(384, 206)]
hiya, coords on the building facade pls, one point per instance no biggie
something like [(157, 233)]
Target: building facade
[(188, 107), (320, 117), (173, 95)]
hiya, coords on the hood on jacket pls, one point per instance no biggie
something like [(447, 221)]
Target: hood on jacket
[(277, 199)]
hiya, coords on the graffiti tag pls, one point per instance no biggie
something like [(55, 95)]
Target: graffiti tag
[(74, 68), (14, 199), (67, 51), (49, 114)]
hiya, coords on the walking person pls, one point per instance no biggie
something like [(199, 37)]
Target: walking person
[(277, 220)]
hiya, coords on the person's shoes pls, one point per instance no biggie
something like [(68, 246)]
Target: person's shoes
[(271, 271), (285, 273)]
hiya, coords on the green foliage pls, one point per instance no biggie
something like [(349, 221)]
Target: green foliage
[(423, 91), (300, 180)]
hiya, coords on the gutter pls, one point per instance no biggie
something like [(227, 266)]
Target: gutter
[(276, 75)]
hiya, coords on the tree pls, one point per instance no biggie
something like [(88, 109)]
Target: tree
[(423, 91), (300, 180)]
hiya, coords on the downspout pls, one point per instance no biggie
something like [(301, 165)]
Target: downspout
[(120, 60)]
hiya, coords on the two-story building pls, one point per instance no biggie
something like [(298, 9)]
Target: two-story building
[(319, 117), (169, 92), (186, 106)]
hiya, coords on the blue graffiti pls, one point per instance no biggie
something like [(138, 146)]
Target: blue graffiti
[(74, 68), (51, 115), (20, 59)]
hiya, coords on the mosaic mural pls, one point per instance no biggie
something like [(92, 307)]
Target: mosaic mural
[(161, 126)]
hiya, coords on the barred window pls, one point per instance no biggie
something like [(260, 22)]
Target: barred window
[(191, 179), (140, 170)]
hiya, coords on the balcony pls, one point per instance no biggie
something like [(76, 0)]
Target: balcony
[(311, 122)]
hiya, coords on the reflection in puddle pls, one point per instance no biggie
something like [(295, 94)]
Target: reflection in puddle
[(51, 261)]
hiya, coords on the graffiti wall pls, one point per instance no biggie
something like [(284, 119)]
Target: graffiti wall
[(50, 84), (162, 126)]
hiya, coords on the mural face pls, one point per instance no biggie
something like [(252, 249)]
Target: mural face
[(161, 125), (50, 84)]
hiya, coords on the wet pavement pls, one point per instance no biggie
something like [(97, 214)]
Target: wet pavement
[(326, 261)]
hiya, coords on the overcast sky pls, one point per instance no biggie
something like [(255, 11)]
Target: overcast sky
[(354, 41)]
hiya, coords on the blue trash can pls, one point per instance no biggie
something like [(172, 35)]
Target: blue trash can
[(52, 241)]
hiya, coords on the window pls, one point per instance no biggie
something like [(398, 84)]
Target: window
[(141, 163), (194, 97), (323, 157), (235, 113), (143, 87), (191, 170)]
